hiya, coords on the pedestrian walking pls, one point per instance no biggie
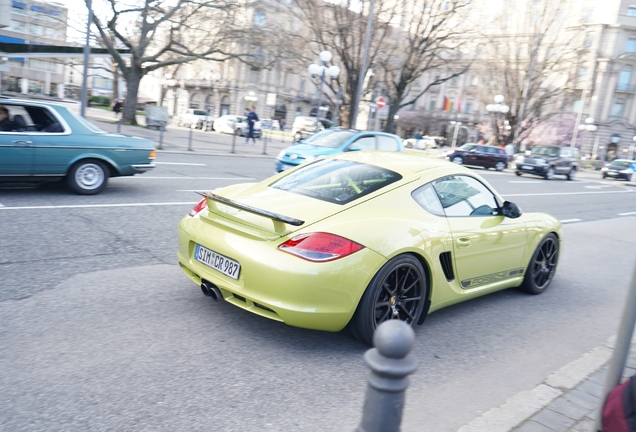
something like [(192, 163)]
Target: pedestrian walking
[(281, 122), (117, 107), (252, 118)]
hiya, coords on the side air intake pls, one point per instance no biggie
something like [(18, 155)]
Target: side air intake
[(447, 265)]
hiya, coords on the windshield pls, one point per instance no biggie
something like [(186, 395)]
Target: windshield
[(88, 125), (545, 151), (620, 164), (467, 146), (337, 181), (329, 138)]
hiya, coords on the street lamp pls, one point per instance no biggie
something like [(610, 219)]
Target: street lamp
[(589, 126), (322, 70), (497, 108), (172, 83), (457, 124)]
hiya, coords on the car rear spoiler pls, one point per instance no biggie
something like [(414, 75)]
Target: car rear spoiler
[(260, 212)]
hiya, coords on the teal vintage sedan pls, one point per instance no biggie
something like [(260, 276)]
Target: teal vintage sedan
[(41, 141)]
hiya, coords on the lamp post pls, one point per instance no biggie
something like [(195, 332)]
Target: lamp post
[(589, 126), (457, 124), (497, 108), (322, 70), (632, 153)]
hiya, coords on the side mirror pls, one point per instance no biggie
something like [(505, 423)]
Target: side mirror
[(353, 148), (510, 210)]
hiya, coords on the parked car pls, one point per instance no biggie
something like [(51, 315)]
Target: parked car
[(48, 142), (420, 144), (305, 126), (270, 124), (234, 124), (480, 155), (194, 118), (358, 238), (620, 169), (595, 164), (332, 141), (549, 160)]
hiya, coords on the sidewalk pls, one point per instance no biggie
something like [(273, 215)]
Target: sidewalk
[(566, 401)]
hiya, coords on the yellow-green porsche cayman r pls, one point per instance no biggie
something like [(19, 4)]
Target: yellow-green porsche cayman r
[(352, 240)]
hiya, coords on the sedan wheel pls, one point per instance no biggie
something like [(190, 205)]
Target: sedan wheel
[(398, 291), (571, 174), (458, 160), (549, 175), (88, 177), (500, 166), (542, 266)]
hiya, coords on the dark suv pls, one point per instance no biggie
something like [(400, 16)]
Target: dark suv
[(480, 155), (548, 160)]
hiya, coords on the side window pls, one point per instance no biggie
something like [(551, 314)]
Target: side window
[(464, 196), (426, 197), (364, 143), (43, 120), (387, 143), (491, 150)]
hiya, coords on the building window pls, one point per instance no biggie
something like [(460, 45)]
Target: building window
[(617, 109), (302, 85), (299, 111), (582, 73), (588, 41), (446, 5), (631, 11), (475, 81), (454, 81), (259, 18), (35, 87), (18, 8), (469, 107), (478, 54), (588, 14), (18, 26), (533, 18), (255, 76), (432, 104), (576, 106), (624, 79), (559, 16), (550, 53), (631, 45)]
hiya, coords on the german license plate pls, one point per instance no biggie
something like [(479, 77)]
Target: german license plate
[(612, 173), (218, 262), (526, 167)]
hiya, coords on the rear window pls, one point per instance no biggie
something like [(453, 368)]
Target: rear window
[(337, 181), (200, 112)]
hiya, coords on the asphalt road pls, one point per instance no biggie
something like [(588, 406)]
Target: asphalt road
[(101, 330)]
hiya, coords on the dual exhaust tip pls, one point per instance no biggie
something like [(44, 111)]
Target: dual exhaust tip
[(210, 290)]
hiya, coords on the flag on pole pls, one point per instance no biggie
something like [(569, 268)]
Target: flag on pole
[(459, 105), (447, 104)]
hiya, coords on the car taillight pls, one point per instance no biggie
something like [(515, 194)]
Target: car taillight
[(320, 247), (197, 208)]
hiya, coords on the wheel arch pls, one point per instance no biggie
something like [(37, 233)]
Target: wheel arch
[(113, 171), (426, 266)]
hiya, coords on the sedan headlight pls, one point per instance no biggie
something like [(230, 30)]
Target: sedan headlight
[(519, 158), (603, 169), (626, 171)]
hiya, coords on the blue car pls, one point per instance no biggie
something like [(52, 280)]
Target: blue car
[(332, 141)]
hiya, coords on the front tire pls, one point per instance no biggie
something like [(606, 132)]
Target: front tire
[(398, 291), (88, 177), (500, 166), (458, 160), (549, 175), (519, 173), (571, 174), (542, 266)]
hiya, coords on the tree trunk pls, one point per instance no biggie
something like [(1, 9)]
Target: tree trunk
[(115, 81), (133, 77), (393, 109)]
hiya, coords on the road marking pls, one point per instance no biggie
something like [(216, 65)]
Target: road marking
[(599, 187), (525, 181), (569, 220), (179, 163), (188, 178), (620, 214), (568, 193), (98, 205)]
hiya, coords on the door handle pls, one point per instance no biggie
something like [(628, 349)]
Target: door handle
[(463, 242), (21, 142)]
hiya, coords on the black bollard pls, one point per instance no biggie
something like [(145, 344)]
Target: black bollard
[(119, 124), (190, 140), (264, 143), (390, 364)]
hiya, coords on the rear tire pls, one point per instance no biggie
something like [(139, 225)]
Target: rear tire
[(519, 173), (88, 177), (542, 266), (549, 175), (571, 174), (398, 291), (500, 166)]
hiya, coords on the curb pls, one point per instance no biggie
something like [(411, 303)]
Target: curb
[(526, 404)]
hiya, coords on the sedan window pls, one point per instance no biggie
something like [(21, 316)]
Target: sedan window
[(426, 197), (337, 181), (387, 143), (545, 151), (364, 143), (464, 196)]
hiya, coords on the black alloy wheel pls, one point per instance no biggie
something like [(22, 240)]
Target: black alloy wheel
[(542, 266), (549, 175), (398, 291)]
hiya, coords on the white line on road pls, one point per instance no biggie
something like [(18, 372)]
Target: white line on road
[(568, 193), (570, 220), (187, 178), (525, 181), (179, 163), (620, 214), (99, 205)]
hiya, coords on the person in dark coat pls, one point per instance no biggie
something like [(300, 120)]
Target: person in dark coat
[(117, 107), (252, 118), (6, 125)]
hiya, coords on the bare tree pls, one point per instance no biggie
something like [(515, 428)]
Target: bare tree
[(340, 27), (531, 58), (160, 34)]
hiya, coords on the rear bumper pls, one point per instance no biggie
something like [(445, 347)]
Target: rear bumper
[(143, 167), (277, 285)]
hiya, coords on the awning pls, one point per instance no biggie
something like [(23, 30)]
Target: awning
[(22, 50)]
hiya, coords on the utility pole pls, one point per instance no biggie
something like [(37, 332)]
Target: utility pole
[(363, 71), (87, 52), (526, 88)]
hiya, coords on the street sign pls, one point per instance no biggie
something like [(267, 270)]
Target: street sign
[(380, 102)]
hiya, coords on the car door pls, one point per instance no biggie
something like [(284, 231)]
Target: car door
[(471, 157), (488, 248), (364, 142), (16, 149), (53, 146)]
